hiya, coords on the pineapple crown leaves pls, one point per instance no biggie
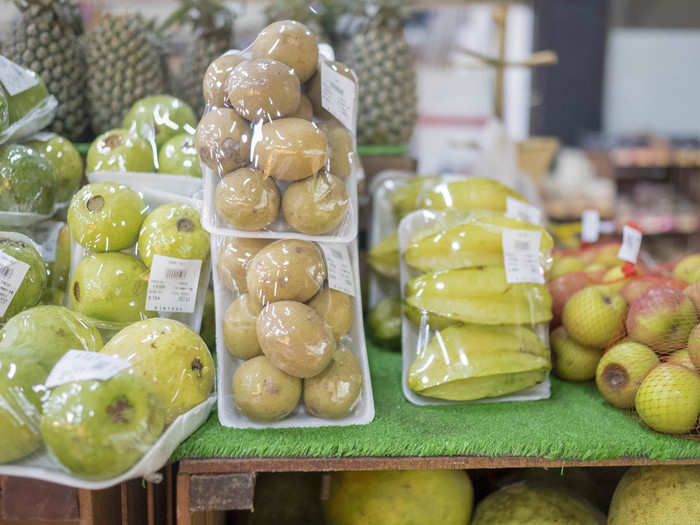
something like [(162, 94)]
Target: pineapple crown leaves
[(66, 11), (205, 16)]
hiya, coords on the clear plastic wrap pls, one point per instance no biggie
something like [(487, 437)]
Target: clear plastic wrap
[(474, 328), (288, 312), (23, 276), (136, 255), (25, 104), (279, 156)]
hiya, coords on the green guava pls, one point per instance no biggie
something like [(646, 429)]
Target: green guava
[(208, 329), (179, 156), (21, 378), (99, 429), (159, 118), (23, 102), (4, 110), (48, 332), (110, 287), (173, 230), (172, 359), (61, 265), (29, 292), (106, 216), (27, 181), (120, 150), (66, 162)]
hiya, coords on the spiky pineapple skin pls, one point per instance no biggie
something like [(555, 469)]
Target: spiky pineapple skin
[(124, 65), (386, 71), (50, 47), (199, 53)]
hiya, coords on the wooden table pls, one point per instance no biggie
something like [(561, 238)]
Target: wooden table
[(207, 488)]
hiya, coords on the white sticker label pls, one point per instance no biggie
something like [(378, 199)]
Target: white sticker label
[(80, 365), (340, 274), (43, 136), (631, 242), (15, 78), (338, 94), (590, 226), (521, 256), (172, 285), (12, 274), (522, 210)]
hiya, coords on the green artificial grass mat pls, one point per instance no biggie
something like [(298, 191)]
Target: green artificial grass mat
[(575, 423)]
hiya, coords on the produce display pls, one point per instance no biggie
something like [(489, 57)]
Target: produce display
[(634, 329), (276, 160), (286, 336)]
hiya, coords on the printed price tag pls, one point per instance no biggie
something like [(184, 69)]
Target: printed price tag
[(43, 136), (80, 365), (340, 274), (338, 94), (521, 256), (172, 286), (522, 210), (12, 274), (590, 226), (631, 242), (15, 78)]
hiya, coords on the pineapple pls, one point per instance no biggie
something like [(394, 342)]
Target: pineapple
[(212, 25), (124, 65), (386, 70), (45, 39)]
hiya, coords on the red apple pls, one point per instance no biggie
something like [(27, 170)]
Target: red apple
[(564, 287), (641, 284), (662, 319)]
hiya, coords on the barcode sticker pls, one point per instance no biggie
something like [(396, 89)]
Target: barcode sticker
[(340, 274), (590, 226), (12, 274), (42, 136), (521, 256), (338, 95), (172, 285), (522, 210), (631, 242), (15, 78), (80, 365)]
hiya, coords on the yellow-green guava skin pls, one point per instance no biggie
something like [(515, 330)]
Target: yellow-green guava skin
[(66, 161), (178, 156), (32, 287), (159, 118), (120, 150)]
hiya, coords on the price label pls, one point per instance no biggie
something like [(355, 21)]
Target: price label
[(15, 78), (12, 274), (522, 210), (631, 242), (590, 226), (172, 285), (79, 365), (521, 256), (338, 95), (340, 274)]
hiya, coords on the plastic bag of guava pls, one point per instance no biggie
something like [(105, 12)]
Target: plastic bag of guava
[(23, 276), (476, 309), (29, 106), (136, 255), (279, 161), (289, 314), (154, 147)]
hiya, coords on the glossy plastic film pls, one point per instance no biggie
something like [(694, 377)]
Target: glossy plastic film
[(23, 272), (467, 333), (117, 233), (276, 162), (290, 346)]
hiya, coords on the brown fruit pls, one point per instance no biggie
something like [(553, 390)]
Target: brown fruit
[(305, 110), (240, 337), (286, 270), (341, 150), (316, 205), (214, 81), (290, 149), (233, 262), (247, 199), (336, 309), (291, 43), (263, 89), (222, 140), (333, 392), (295, 338)]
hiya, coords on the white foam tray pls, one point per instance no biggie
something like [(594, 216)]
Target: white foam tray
[(362, 413), (414, 337)]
